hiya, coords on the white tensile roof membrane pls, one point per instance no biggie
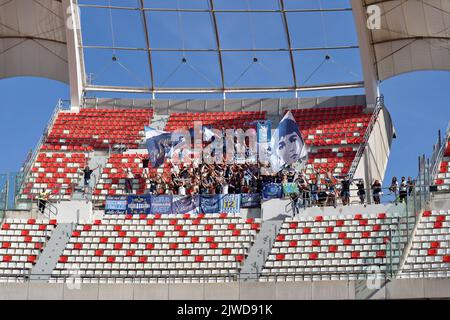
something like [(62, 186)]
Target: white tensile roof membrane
[(33, 39), (414, 35)]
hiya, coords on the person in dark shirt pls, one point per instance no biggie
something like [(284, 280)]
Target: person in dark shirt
[(410, 186), (294, 198), (345, 190), (303, 190), (87, 173), (361, 191), (290, 175), (376, 191), (323, 197), (394, 186), (314, 189), (152, 186)]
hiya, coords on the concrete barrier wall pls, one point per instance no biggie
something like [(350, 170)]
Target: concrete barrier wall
[(375, 158), (307, 290), (415, 289)]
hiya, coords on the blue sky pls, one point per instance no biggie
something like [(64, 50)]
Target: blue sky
[(418, 102)]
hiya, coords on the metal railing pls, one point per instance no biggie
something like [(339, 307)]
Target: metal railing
[(61, 105), (386, 197), (50, 211), (438, 151), (369, 270)]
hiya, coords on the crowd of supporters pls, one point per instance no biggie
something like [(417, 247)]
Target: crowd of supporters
[(324, 189)]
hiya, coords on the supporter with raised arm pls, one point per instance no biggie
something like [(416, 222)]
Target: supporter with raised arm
[(145, 161), (87, 173)]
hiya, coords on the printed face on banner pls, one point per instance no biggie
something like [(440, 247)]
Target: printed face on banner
[(289, 147)]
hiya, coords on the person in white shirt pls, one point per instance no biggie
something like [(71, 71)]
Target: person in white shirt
[(224, 186), (182, 190)]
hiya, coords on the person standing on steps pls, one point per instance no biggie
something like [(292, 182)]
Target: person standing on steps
[(87, 173), (129, 180), (42, 200)]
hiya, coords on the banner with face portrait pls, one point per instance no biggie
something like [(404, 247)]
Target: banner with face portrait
[(287, 145)]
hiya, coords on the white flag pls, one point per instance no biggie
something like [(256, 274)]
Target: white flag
[(287, 145)]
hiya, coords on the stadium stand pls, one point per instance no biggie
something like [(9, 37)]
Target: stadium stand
[(112, 179), (100, 128), (56, 171), (332, 247), (158, 248), (72, 138), (21, 243), (217, 120), (339, 128), (429, 255), (334, 135)]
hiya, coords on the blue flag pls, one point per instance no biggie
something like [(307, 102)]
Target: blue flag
[(158, 145)]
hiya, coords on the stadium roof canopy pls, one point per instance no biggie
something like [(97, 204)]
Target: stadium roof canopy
[(220, 46), (414, 35), (33, 39)]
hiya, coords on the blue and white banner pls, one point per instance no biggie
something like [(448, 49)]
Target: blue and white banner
[(264, 131), (161, 204), (158, 145), (208, 134), (272, 190), (290, 188), (287, 145), (186, 204), (250, 200), (231, 203), (138, 204), (210, 203), (116, 205)]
